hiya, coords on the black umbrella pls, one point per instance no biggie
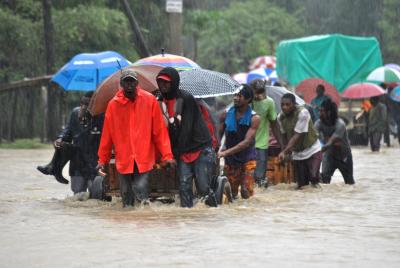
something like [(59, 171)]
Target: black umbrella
[(202, 83)]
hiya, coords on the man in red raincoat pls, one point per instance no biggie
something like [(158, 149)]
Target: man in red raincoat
[(134, 126)]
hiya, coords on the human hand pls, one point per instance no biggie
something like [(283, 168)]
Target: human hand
[(58, 143), (221, 154), (101, 169), (168, 163), (281, 157)]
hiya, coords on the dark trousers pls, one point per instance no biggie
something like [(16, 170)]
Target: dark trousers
[(133, 186), (79, 184), (375, 140), (307, 170), (330, 164), (202, 169), (397, 120)]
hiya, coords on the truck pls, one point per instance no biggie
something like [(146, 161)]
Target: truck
[(338, 59)]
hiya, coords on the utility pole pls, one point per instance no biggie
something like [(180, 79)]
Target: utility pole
[(140, 44), (174, 8), (48, 36)]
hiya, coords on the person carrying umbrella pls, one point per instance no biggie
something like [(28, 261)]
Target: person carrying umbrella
[(78, 143), (336, 147), (317, 101), (134, 126), (190, 137), (240, 124)]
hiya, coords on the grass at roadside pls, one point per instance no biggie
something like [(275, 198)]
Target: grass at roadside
[(25, 144)]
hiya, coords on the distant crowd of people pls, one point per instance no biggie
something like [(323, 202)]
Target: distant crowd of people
[(178, 131)]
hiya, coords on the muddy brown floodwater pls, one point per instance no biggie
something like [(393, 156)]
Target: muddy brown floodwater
[(42, 225)]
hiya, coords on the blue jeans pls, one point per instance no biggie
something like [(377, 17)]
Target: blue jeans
[(79, 184), (133, 186), (202, 169), (261, 165)]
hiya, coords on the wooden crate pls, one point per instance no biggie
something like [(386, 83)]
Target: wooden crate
[(279, 173), (162, 182)]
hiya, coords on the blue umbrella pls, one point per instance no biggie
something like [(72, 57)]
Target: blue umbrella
[(85, 71), (261, 73), (395, 94)]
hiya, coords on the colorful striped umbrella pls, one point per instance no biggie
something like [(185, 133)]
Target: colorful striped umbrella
[(266, 62), (262, 73), (168, 60), (384, 75), (393, 66)]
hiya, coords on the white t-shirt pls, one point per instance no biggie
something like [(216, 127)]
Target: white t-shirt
[(302, 127)]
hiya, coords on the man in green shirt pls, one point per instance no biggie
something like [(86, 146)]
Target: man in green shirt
[(264, 106)]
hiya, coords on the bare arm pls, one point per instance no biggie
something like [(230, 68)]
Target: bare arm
[(277, 132), (222, 126), (248, 139), (292, 142)]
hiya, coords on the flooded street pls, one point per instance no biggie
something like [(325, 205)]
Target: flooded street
[(42, 225)]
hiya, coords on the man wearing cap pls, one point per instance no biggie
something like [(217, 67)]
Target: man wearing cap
[(134, 126), (240, 124), (190, 139)]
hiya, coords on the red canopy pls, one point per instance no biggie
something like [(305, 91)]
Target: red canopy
[(307, 89)]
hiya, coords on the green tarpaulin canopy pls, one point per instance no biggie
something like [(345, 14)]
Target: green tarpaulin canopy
[(339, 59)]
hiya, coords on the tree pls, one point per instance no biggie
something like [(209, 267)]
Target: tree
[(243, 31), (21, 53), (139, 43), (91, 29), (390, 26)]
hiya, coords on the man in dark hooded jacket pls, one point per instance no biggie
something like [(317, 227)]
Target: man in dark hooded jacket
[(190, 139), (79, 142)]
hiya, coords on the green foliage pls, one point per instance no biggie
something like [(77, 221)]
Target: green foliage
[(25, 144), (21, 53), (91, 29), (243, 31), (153, 22), (390, 25), (64, 4), (222, 35)]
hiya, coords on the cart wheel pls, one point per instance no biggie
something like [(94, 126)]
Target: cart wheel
[(223, 192), (97, 190)]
